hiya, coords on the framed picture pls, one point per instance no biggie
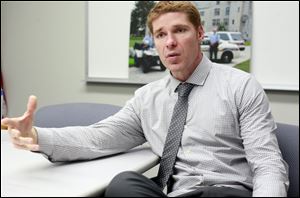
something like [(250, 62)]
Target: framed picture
[(122, 50)]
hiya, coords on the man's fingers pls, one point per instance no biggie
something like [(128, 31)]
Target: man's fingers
[(25, 140), (31, 105), (9, 122), (24, 143), (22, 140), (18, 141), (14, 133), (25, 119), (29, 147)]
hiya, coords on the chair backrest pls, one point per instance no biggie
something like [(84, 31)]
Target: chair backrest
[(84, 114), (288, 140), (73, 114)]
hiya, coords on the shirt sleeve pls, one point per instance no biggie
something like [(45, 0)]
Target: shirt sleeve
[(115, 134), (270, 171)]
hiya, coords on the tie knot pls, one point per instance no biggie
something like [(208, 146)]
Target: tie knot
[(184, 89)]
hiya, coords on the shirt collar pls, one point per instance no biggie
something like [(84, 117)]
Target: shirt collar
[(198, 77)]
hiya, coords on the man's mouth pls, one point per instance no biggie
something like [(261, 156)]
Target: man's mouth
[(172, 55)]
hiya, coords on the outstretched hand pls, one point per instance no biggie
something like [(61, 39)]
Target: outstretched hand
[(22, 134)]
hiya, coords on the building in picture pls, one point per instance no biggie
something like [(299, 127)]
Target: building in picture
[(234, 16)]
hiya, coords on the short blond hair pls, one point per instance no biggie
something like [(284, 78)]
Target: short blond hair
[(163, 7)]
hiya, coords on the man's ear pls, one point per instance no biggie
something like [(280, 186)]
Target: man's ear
[(200, 33)]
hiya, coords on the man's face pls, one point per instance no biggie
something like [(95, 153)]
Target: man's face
[(177, 42)]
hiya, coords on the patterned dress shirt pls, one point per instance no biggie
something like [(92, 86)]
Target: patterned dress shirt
[(228, 139)]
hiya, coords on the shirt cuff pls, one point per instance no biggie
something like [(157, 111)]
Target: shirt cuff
[(45, 141)]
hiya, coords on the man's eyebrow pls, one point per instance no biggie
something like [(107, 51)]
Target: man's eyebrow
[(174, 27), (156, 31), (181, 26)]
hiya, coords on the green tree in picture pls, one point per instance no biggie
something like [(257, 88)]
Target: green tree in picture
[(139, 17)]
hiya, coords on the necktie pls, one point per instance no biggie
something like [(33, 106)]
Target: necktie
[(174, 135)]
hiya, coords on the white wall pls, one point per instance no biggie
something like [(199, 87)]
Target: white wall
[(275, 44), (43, 53)]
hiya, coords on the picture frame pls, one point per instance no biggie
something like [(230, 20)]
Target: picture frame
[(232, 17)]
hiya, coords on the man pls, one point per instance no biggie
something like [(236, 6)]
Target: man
[(213, 46), (227, 147), (148, 41)]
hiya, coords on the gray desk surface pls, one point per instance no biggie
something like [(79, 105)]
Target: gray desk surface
[(24, 173)]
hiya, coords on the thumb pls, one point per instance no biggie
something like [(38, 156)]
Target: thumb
[(31, 105)]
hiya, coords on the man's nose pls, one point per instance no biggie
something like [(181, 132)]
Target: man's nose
[(171, 41)]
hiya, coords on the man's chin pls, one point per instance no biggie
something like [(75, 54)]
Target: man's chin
[(174, 66)]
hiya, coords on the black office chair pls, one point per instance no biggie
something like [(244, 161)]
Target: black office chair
[(288, 140), (73, 114)]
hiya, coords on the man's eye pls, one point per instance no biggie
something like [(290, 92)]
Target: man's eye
[(181, 30), (160, 35)]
